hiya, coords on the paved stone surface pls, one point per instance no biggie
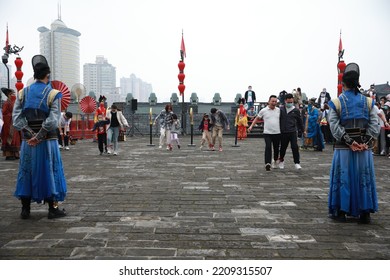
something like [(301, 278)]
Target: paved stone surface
[(149, 203)]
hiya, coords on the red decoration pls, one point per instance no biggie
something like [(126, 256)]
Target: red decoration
[(65, 100), (181, 88), (19, 74), (341, 66), (340, 77), (181, 66), (88, 105), (181, 77)]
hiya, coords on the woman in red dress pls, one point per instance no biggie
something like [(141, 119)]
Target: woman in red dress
[(10, 137)]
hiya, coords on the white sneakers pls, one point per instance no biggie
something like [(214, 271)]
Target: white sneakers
[(275, 164), (160, 147), (67, 148), (280, 164)]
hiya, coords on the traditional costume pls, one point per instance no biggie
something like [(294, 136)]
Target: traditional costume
[(10, 137), (241, 122), (36, 114), (352, 176)]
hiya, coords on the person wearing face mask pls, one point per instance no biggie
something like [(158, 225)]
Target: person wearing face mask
[(290, 124), (312, 133), (117, 122)]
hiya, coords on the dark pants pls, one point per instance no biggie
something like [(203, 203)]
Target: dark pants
[(327, 134), (271, 140), (102, 139), (286, 138), (66, 137)]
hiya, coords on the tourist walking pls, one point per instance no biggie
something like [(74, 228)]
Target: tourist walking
[(101, 132), (165, 119), (219, 122), (117, 122), (205, 127), (290, 126), (271, 116)]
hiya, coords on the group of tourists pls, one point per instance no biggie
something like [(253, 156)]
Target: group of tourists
[(36, 112)]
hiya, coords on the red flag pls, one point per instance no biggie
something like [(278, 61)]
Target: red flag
[(182, 48), (340, 45), (7, 42)]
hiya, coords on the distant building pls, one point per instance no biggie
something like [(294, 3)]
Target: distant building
[(382, 90), (100, 77), (60, 45), (138, 88)]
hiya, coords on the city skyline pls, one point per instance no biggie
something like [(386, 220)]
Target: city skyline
[(273, 46)]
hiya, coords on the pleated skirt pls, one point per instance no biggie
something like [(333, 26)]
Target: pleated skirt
[(352, 183), (41, 175)]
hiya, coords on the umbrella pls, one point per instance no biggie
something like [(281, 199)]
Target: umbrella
[(88, 105), (65, 100)]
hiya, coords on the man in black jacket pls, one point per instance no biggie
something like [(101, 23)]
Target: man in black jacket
[(250, 97), (290, 124)]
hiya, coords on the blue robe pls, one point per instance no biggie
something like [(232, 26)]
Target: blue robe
[(352, 186), (41, 176)]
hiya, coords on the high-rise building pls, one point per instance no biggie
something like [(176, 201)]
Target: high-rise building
[(60, 45), (100, 78), (138, 88)]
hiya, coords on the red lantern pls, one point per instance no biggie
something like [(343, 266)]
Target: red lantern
[(340, 77), (181, 88), (181, 77), (341, 66), (19, 75), (18, 63), (181, 66), (19, 85)]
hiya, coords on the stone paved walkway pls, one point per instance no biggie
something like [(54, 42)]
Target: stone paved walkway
[(149, 203)]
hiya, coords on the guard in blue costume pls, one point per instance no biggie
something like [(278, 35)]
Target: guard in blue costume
[(354, 125), (36, 114)]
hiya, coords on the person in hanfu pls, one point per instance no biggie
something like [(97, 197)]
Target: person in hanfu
[(36, 114), (354, 125)]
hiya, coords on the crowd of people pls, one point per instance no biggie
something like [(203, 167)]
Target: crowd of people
[(33, 129)]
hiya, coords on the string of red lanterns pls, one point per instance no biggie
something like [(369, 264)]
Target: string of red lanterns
[(19, 74), (181, 76)]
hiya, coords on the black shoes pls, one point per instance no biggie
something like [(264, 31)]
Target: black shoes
[(25, 213), (340, 217), (55, 213), (364, 218), (268, 167)]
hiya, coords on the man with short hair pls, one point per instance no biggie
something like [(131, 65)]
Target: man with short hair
[(290, 124), (117, 122), (271, 117), (250, 97)]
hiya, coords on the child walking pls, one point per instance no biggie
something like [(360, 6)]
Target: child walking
[(101, 132), (205, 127), (176, 129)]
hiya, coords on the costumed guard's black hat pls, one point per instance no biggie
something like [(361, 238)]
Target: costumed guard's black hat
[(40, 65), (352, 74), (7, 91)]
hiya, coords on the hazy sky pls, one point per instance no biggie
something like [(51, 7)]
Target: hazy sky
[(271, 45)]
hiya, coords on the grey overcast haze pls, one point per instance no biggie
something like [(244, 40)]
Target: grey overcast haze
[(272, 45)]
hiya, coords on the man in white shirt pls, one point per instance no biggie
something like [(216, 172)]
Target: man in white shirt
[(64, 125), (271, 133)]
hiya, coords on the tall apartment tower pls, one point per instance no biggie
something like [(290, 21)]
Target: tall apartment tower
[(60, 45), (100, 77)]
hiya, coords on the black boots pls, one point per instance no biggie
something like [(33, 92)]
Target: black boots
[(364, 218), (26, 201), (54, 211)]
